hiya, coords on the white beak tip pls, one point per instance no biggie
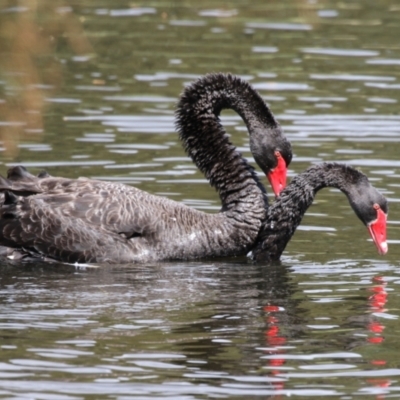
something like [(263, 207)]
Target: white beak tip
[(383, 247)]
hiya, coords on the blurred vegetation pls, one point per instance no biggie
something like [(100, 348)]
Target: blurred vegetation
[(30, 33)]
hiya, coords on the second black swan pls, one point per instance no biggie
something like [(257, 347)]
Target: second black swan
[(84, 220), (286, 213)]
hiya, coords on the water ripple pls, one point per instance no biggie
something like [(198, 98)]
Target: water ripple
[(132, 12), (279, 26), (340, 52)]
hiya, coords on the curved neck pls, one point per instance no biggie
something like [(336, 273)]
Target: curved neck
[(207, 143), (285, 215)]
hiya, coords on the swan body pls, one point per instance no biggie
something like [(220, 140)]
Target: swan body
[(85, 220), (285, 214)]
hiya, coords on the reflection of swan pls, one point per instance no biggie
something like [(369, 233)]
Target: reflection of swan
[(286, 213), (86, 220)]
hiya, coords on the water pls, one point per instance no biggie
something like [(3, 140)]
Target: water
[(89, 89)]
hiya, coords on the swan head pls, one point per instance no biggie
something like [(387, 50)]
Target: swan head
[(273, 153), (372, 209)]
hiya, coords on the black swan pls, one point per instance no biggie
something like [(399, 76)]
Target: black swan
[(84, 220), (286, 213)]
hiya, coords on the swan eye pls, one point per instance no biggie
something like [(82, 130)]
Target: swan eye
[(377, 206)]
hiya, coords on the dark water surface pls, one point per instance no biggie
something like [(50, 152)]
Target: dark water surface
[(89, 88)]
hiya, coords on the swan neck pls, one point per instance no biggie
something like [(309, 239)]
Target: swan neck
[(209, 146), (286, 214)]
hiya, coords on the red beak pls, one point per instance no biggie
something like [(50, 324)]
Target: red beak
[(377, 230), (277, 177)]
